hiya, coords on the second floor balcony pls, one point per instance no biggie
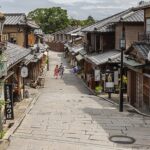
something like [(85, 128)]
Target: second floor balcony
[(144, 37)]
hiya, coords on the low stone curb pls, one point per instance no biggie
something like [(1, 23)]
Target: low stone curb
[(4, 143), (112, 102)]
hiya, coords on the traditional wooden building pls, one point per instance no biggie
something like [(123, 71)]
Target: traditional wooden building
[(61, 35), (19, 30), (137, 60), (14, 55), (138, 88), (103, 48)]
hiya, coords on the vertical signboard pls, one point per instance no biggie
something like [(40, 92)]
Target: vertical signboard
[(109, 82), (9, 102), (116, 78), (97, 75)]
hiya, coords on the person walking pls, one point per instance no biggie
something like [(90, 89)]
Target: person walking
[(61, 70), (56, 72)]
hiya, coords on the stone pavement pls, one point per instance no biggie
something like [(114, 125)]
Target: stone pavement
[(20, 107), (66, 116)]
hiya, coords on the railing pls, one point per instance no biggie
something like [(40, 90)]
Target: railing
[(144, 37)]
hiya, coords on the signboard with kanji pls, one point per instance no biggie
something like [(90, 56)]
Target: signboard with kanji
[(9, 102)]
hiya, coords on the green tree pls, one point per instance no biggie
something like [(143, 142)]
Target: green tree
[(75, 22), (90, 20), (50, 19)]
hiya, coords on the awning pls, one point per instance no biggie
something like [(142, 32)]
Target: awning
[(103, 58), (131, 62), (76, 49), (28, 59), (79, 57), (83, 52), (34, 60)]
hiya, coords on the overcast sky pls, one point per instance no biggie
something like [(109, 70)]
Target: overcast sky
[(79, 9)]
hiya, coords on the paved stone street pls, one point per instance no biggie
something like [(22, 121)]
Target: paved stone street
[(67, 117)]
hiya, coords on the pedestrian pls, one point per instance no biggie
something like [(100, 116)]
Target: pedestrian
[(61, 70), (56, 72)]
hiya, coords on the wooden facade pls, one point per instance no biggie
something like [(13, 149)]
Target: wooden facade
[(138, 87), (131, 33), (15, 35)]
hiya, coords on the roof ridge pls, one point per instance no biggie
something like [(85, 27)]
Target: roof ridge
[(16, 14), (131, 13), (107, 19)]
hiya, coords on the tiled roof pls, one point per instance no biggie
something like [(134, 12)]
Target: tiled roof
[(83, 52), (142, 48), (42, 47), (74, 31), (15, 53), (107, 25), (38, 32), (137, 16), (28, 58), (104, 57), (32, 24), (15, 19), (64, 31), (76, 49), (142, 5), (98, 25), (131, 62)]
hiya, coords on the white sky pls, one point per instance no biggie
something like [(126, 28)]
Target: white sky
[(79, 9)]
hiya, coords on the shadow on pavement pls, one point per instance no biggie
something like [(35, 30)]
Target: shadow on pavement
[(114, 123)]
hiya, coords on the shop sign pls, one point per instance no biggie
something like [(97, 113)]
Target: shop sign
[(109, 83), (24, 72), (9, 102), (97, 75), (116, 78)]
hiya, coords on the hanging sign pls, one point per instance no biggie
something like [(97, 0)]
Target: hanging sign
[(109, 82), (116, 77), (8, 102), (97, 75), (24, 72)]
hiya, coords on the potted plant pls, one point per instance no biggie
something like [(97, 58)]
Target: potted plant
[(98, 89)]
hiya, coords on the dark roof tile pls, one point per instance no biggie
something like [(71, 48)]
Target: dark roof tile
[(107, 24), (15, 19), (15, 53)]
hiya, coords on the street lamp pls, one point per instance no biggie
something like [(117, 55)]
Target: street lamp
[(122, 47)]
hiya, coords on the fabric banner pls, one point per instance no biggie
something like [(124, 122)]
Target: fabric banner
[(9, 102), (97, 75)]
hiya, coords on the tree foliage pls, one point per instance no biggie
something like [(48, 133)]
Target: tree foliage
[(55, 19), (50, 19), (74, 22)]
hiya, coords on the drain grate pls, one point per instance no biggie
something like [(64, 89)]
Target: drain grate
[(122, 139)]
